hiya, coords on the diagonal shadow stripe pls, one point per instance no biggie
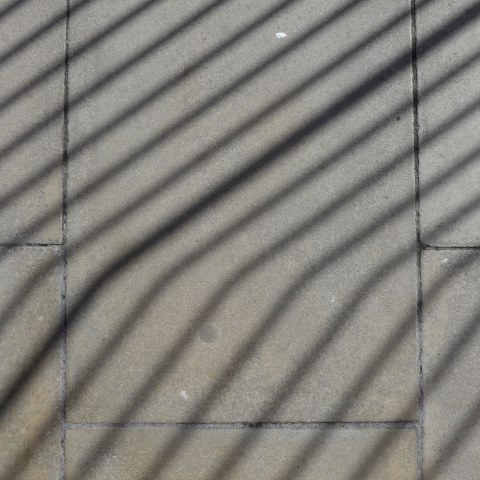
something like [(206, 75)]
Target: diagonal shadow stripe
[(138, 57), (389, 348), (110, 173), (386, 351), (322, 215), (452, 445), (312, 355), (446, 362), (203, 157), (385, 440), (123, 330), (249, 125), (10, 7), (58, 65), (247, 351), (222, 477), (259, 164), (165, 88), (464, 17)]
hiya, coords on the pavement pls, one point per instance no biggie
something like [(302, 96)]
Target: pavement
[(239, 239)]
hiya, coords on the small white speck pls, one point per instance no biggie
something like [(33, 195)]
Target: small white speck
[(184, 395), (40, 318), (333, 299), (280, 34), (109, 456), (445, 260)]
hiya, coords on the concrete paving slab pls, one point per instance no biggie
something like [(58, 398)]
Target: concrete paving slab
[(255, 305), (30, 423), (242, 276), (272, 455), (445, 218), (31, 115), (451, 352)]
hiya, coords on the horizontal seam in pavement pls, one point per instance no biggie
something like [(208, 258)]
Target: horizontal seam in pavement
[(243, 425), (451, 247), (29, 245)]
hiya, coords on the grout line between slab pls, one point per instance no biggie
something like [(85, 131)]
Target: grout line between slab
[(63, 349), (451, 247), (30, 245), (63, 390), (420, 424), (242, 425)]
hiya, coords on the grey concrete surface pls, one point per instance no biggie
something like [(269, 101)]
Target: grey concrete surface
[(255, 345), (23, 330), (37, 155), (442, 222), (239, 239), (452, 405), (273, 455)]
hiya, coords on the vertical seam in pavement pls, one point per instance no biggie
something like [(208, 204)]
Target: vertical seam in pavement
[(63, 349), (419, 307)]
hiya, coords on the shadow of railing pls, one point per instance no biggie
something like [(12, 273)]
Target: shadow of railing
[(165, 88), (266, 326), (10, 7), (224, 189), (335, 110)]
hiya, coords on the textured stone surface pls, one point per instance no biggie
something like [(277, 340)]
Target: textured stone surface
[(451, 353), (241, 240), (31, 146), (449, 118), (29, 423), (239, 309), (271, 453)]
